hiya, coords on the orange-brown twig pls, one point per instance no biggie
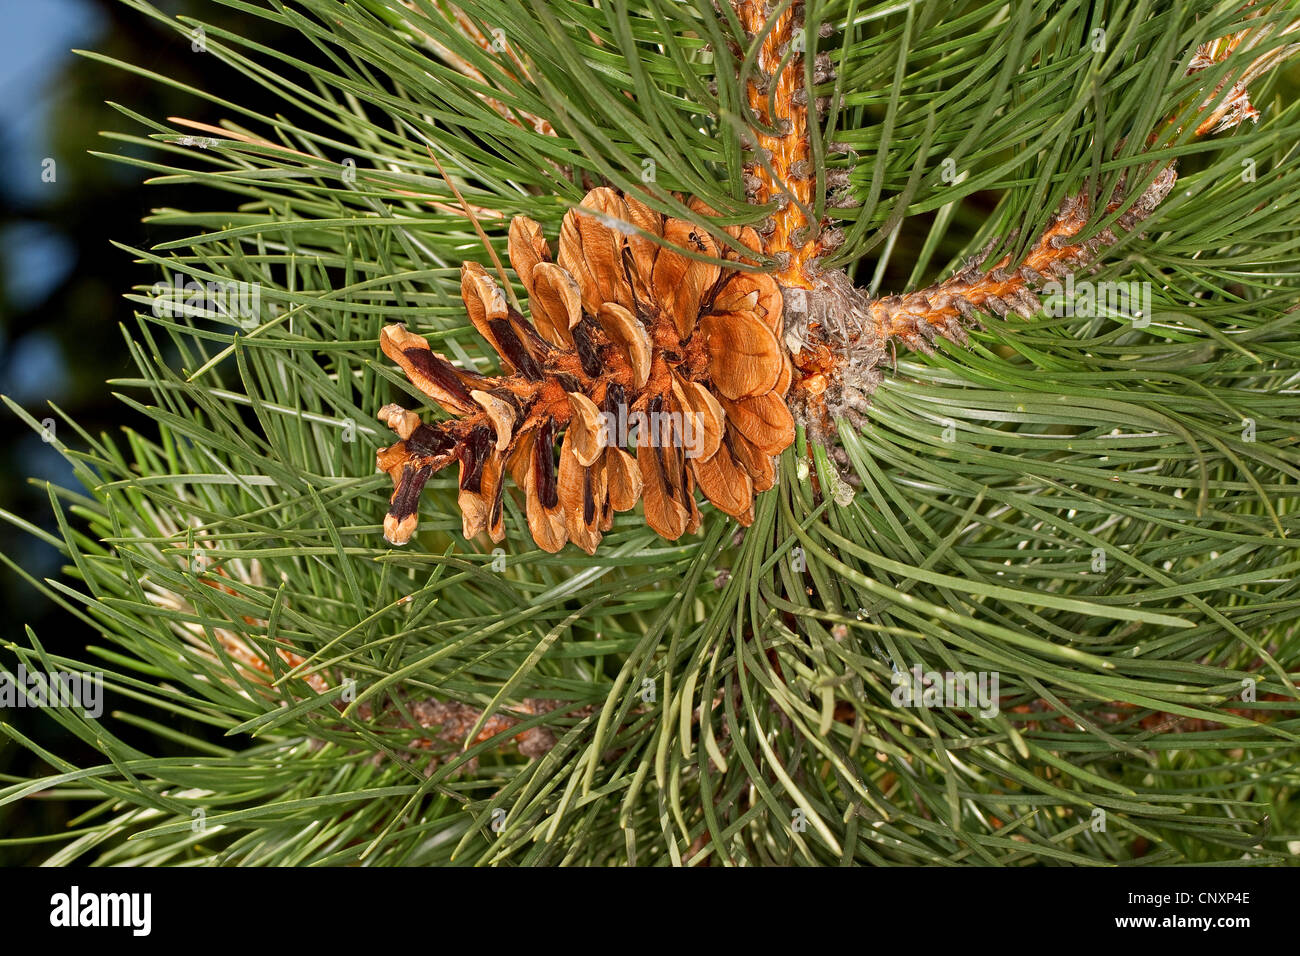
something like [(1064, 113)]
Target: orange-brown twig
[(779, 101)]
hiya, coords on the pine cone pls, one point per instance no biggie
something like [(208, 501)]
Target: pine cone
[(624, 332)]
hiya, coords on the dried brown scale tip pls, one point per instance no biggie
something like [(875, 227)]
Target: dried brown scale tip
[(447, 724), (454, 720), (625, 332), (1226, 110)]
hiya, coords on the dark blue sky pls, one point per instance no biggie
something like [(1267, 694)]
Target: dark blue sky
[(35, 43)]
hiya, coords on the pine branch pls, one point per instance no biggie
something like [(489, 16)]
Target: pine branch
[(839, 336), (1103, 516)]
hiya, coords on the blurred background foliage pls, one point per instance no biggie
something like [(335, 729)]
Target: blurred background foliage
[(62, 285)]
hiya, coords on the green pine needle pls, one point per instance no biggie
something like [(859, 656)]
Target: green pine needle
[(1104, 514)]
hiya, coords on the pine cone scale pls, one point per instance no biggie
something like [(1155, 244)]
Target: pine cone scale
[(626, 336)]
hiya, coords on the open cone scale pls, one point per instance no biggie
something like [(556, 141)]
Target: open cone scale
[(623, 326)]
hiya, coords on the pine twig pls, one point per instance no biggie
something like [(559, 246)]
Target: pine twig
[(837, 335), (783, 170)]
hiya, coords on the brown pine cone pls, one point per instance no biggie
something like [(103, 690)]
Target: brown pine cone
[(624, 332)]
